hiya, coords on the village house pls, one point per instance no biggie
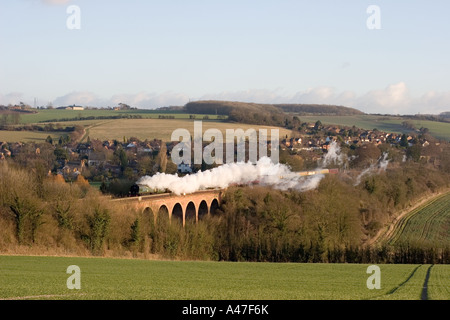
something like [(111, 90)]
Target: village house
[(75, 108), (96, 158), (73, 168)]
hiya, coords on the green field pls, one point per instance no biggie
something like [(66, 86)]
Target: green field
[(428, 224), (107, 127), (26, 277), (160, 129), (139, 128), (48, 115), (392, 124), (27, 136), (149, 127)]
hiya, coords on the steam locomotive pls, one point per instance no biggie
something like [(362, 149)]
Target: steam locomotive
[(137, 190), (321, 171)]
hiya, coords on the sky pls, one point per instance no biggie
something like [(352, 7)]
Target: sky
[(155, 53)]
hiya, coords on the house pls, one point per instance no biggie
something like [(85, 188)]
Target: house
[(145, 149), (83, 149), (132, 145), (73, 168), (96, 158), (114, 169), (184, 168), (75, 108)]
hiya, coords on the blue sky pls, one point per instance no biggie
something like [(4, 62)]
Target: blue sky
[(153, 53)]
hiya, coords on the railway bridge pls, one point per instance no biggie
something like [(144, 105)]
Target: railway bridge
[(193, 206)]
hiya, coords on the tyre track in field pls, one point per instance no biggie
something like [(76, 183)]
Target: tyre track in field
[(424, 292), (406, 281), (395, 229), (428, 224), (424, 295)]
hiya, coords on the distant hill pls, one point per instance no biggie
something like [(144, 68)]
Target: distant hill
[(226, 108), (251, 113), (264, 114), (319, 109)]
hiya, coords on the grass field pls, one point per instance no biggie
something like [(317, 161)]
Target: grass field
[(429, 223), (393, 124), (160, 129), (27, 136), (54, 114), (26, 277), (150, 127), (104, 128)]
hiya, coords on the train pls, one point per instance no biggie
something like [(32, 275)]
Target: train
[(137, 190), (321, 171)]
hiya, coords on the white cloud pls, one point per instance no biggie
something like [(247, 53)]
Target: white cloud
[(393, 99), (11, 98), (433, 102), (79, 98), (151, 100), (56, 2), (251, 95)]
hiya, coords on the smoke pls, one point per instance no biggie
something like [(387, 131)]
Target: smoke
[(333, 156), (264, 172), (379, 166)]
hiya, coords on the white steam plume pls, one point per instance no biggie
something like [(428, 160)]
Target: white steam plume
[(264, 172), (379, 166)]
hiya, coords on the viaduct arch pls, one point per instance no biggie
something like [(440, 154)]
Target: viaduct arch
[(194, 206)]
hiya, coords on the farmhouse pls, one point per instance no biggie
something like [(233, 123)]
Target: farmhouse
[(73, 169), (75, 108)]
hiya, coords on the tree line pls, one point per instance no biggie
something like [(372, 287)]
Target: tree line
[(264, 114), (329, 224)]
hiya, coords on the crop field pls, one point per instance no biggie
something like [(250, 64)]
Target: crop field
[(149, 127), (53, 115), (27, 136), (30, 277), (428, 224), (160, 129), (393, 124)]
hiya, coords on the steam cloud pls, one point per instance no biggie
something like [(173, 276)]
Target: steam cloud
[(264, 172), (377, 167)]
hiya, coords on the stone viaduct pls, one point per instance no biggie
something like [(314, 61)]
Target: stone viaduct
[(192, 206)]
